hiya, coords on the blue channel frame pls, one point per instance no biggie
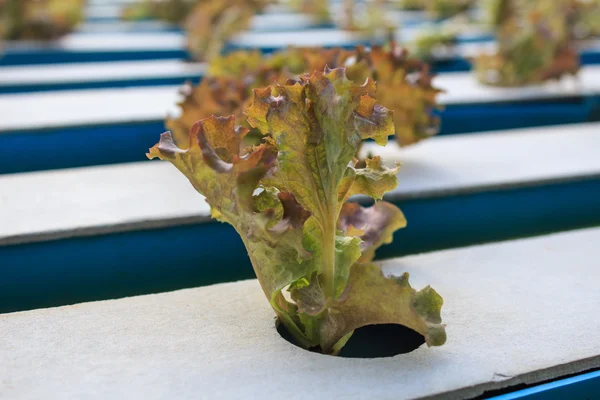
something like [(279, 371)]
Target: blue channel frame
[(104, 84), (585, 386), (73, 270), (23, 56), (134, 28), (68, 147), (459, 64), (16, 57)]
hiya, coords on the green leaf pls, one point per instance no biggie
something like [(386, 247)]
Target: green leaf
[(375, 299), (235, 64), (316, 125), (347, 252), (374, 180), (371, 299)]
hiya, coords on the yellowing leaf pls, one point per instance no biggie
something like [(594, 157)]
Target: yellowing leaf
[(218, 96), (216, 167), (375, 299), (370, 299), (374, 180)]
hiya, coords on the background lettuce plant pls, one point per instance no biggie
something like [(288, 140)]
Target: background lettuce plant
[(211, 23), (405, 85), (535, 43), (173, 11), (38, 19), (208, 24), (288, 200), (586, 21)]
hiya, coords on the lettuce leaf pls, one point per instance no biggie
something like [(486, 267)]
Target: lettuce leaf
[(287, 199), (210, 24)]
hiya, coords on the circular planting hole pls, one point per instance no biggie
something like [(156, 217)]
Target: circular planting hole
[(373, 341)]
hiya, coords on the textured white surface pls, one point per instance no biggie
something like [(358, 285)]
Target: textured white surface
[(56, 109), (43, 205), (312, 37), (522, 311), (281, 21), (476, 162), (120, 105), (117, 42), (152, 41), (103, 11), (121, 26), (98, 72), (95, 199), (271, 22), (463, 88)]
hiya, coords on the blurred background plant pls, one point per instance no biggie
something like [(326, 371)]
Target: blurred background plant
[(403, 85), (586, 19), (318, 9), (173, 11), (535, 40), (433, 43), (39, 19), (211, 24), (534, 43), (208, 23)]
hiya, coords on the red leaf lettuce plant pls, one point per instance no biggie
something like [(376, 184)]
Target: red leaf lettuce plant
[(535, 43), (38, 19), (288, 200)]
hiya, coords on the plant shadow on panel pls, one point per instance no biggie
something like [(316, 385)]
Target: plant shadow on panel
[(373, 341)]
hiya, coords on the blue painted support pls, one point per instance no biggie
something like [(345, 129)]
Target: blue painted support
[(271, 49), (79, 269), (22, 56), (14, 56), (461, 64), (477, 117), (27, 56), (77, 146), (95, 145), (133, 27), (118, 83), (581, 387), (177, 29), (103, 19)]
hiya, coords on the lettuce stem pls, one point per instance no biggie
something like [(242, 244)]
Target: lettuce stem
[(329, 230)]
